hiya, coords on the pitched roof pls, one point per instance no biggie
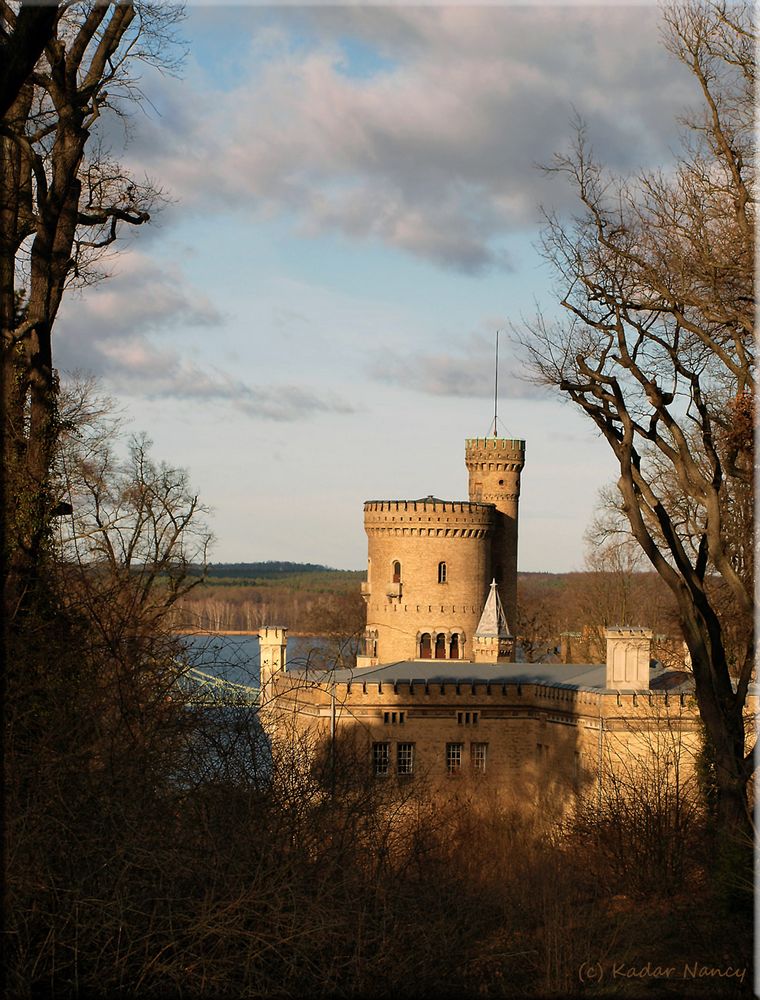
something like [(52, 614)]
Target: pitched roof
[(580, 676)]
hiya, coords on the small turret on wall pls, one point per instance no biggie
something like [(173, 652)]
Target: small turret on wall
[(273, 641), (493, 642), (629, 650)]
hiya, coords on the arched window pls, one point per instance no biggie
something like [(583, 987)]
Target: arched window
[(454, 647), (425, 649), (442, 572), (397, 572), (440, 646)]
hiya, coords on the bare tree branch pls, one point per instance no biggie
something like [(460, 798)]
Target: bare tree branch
[(658, 273)]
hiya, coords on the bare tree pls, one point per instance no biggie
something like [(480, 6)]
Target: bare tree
[(61, 208), (657, 276), (135, 534), (619, 587)]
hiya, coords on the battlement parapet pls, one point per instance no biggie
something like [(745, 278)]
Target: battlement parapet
[(494, 454), (426, 518), (485, 694), (428, 507), (495, 444)]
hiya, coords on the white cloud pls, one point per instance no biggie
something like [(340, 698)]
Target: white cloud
[(465, 370), (433, 153), (113, 331), (108, 326)]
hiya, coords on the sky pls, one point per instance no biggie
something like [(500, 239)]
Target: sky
[(353, 207)]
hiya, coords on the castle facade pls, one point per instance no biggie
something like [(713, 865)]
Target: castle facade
[(436, 690)]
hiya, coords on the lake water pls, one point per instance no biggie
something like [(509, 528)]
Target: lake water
[(236, 658)]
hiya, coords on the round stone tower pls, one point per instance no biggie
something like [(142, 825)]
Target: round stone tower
[(429, 570), (494, 466)]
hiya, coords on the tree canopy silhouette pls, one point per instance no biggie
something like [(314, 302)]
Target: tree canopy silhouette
[(656, 273)]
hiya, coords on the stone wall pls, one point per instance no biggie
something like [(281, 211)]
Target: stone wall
[(544, 743)]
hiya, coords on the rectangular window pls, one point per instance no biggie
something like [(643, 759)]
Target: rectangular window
[(381, 756), (467, 718), (478, 754), (454, 757), (542, 752), (405, 758)]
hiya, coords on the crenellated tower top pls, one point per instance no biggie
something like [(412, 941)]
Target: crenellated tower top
[(494, 465)]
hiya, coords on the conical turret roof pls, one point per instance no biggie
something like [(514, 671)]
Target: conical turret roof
[(493, 621)]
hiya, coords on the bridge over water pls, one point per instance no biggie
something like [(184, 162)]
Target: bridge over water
[(206, 690)]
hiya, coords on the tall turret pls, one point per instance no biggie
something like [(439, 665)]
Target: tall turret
[(494, 465)]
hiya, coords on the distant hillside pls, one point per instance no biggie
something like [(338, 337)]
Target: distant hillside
[(281, 575), (266, 570)]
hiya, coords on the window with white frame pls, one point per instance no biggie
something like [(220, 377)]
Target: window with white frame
[(454, 757), (478, 756), (405, 758), (381, 757)]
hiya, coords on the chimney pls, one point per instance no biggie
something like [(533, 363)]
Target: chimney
[(273, 640), (628, 653)]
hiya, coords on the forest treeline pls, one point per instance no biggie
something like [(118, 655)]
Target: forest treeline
[(227, 573), (302, 596), (321, 601)]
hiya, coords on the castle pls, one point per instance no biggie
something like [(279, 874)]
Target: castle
[(430, 563), (436, 689)]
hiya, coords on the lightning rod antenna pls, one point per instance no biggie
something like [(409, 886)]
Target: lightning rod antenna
[(496, 387)]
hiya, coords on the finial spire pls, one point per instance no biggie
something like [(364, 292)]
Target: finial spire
[(493, 621)]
